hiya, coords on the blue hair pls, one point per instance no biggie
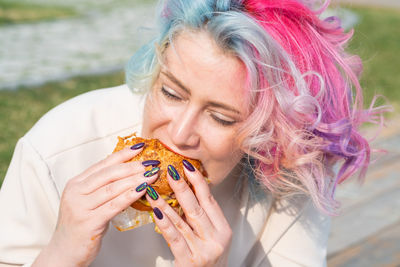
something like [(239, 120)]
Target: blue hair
[(231, 28), (297, 74)]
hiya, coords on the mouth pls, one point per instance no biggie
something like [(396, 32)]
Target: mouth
[(170, 149)]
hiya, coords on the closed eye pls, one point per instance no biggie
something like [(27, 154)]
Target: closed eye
[(170, 95), (173, 97), (222, 122)]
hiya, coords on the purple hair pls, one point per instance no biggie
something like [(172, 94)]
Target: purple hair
[(306, 100), (312, 120)]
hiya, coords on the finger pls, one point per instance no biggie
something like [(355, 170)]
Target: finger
[(115, 158), (204, 196), (110, 174), (171, 234), (111, 208), (114, 189), (194, 212), (175, 218)]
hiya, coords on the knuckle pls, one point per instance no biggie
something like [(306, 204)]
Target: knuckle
[(112, 206), (175, 239), (116, 171), (197, 212), (182, 188), (131, 194), (163, 205), (109, 189), (135, 164), (113, 171), (218, 250), (132, 182), (210, 199), (171, 234), (180, 225), (127, 168)]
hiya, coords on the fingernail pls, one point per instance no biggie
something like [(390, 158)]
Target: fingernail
[(137, 146), (173, 173), (158, 213), (151, 172), (141, 187), (151, 163), (152, 193), (188, 165)]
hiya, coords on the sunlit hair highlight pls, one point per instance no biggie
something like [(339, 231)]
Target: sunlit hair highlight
[(306, 103)]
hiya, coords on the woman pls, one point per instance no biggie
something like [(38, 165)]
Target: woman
[(259, 91)]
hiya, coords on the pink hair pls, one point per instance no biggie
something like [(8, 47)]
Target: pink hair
[(308, 131)]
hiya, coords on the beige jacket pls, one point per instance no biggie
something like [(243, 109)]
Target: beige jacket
[(84, 130)]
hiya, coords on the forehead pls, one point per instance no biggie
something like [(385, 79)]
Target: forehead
[(197, 61)]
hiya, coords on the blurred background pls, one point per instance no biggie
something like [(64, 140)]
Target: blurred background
[(52, 50)]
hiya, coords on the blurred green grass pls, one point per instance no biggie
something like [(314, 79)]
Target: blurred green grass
[(17, 12), (376, 40), (21, 108)]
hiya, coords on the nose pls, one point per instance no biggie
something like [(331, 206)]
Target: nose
[(182, 128)]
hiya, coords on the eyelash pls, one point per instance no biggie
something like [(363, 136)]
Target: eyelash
[(169, 95), (175, 98)]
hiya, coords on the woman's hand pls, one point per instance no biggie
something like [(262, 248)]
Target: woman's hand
[(89, 201), (204, 238)]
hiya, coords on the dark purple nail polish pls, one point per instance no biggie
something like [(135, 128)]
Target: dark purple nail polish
[(158, 213), (151, 163), (188, 165), (151, 172), (152, 193), (141, 187), (173, 173), (137, 146)]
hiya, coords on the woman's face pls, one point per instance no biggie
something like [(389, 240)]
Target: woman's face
[(197, 103)]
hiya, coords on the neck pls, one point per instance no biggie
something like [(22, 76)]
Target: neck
[(227, 187)]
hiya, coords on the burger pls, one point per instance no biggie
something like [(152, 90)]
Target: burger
[(155, 150)]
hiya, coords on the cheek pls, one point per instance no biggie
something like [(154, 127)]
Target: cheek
[(223, 155), (220, 143), (156, 114)]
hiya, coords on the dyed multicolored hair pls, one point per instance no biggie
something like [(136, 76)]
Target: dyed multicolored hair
[(306, 101)]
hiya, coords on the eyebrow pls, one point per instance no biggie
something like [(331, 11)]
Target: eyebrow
[(184, 88)]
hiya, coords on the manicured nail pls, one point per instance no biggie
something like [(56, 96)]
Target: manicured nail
[(137, 146), (151, 172), (151, 163), (188, 165), (158, 213), (173, 173), (141, 187), (152, 193)]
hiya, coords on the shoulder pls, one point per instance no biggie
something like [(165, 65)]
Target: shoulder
[(293, 219), (87, 117)]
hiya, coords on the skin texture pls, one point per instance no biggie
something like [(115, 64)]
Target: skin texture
[(89, 201), (196, 74), (190, 124)]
